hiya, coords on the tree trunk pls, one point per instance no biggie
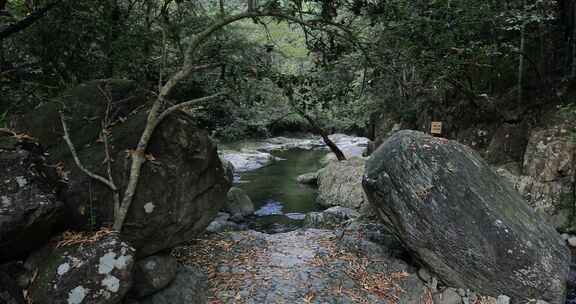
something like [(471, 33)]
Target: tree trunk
[(521, 57), (320, 131)]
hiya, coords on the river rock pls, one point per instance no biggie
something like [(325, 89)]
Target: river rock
[(340, 184), (329, 218), (98, 270), (239, 203), (181, 188), (29, 210), (458, 217), (153, 274), (247, 160), (223, 222), (308, 178), (189, 287)]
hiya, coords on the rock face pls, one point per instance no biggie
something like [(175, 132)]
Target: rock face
[(153, 274), (547, 179), (98, 271), (239, 203), (340, 184), (182, 185), (189, 287), (29, 211), (458, 217)]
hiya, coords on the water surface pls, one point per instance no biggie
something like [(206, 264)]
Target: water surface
[(280, 200)]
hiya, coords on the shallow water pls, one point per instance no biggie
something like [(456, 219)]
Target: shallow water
[(280, 200)]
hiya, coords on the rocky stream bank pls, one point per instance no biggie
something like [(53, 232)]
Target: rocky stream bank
[(423, 220)]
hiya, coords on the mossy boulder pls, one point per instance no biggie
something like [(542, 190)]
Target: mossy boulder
[(458, 217)]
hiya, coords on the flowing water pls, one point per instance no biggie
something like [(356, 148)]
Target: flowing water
[(280, 200)]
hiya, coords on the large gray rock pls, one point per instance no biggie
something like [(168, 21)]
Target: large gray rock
[(96, 271), (463, 221), (340, 184), (546, 178), (181, 188), (189, 287), (29, 211), (153, 274), (238, 203)]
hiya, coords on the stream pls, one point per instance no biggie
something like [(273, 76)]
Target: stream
[(267, 171)]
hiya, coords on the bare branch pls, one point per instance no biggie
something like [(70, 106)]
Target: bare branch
[(77, 160), (173, 108), (105, 126)]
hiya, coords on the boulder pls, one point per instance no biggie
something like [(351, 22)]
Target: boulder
[(29, 210), (94, 269), (189, 287), (152, 274), (340, 184), (546, 178), (458, 217), (248, 160), (238, 203), (329, 218), (181, 188), (308, 178), (10, 292)]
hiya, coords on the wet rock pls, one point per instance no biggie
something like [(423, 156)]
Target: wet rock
[(10, 292), (340, 184), (463, 221), (223, 223), (29, 210), (181, 188), (308, 178), (248, 160), (153, 274), (239, 203), (329, 218), (189, 287), (96, 271)]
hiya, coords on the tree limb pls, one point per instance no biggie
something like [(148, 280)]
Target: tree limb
[(77, 160), (27, 21)]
